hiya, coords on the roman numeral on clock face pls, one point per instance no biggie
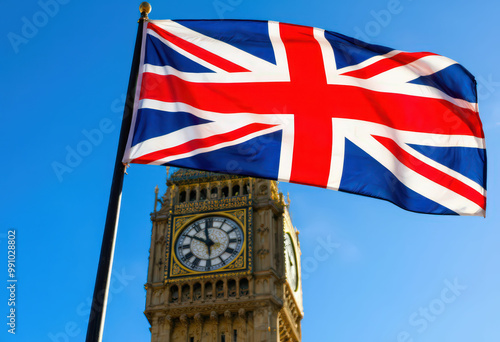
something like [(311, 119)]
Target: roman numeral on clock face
[(229, 250), (189, 256), (196, 261), (209, 222)]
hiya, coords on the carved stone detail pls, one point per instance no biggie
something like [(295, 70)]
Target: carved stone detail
[(184, 319), (262, 252), (262, 230), (242, 314), (211, 205), (214, 317), (169, 322)]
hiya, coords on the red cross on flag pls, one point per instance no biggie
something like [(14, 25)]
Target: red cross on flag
[(305, 105)]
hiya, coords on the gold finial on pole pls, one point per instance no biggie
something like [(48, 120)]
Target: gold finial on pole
[(145, 9)]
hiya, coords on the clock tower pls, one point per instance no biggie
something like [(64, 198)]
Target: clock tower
[(224, 262)]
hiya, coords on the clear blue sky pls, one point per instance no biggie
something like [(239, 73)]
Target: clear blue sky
[(390, 273)]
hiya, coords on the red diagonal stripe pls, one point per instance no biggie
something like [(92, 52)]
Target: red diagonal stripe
[(432, 173), (385, 64), (202, 143), (199, 52)]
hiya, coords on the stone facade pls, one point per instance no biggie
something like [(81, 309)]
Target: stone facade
[(249, 300)]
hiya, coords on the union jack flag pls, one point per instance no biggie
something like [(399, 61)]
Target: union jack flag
[(305, 105)]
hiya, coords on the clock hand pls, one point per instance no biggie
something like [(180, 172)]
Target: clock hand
[(200, 239), (290, 259), (208, 241)]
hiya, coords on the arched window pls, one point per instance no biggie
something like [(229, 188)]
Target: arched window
[(182, 197), (174, 294), (219, 287), (244, 287), (197, 291), (203, 194), (246, 188), (192, 196), (236, 190), (209, 291), (231, 288), (213, 192), (225, 192), (186, 293)]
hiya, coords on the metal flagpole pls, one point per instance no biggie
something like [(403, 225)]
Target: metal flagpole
[(101, 288)]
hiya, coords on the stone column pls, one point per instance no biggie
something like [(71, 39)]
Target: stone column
[(241, 325), (155, 329), (185, 326), (198, 327), (251, 286), (202, 292), (214, 319), (228, 316), (250, 327), (169, 328)]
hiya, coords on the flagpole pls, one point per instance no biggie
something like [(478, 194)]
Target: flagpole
[(101, 288)]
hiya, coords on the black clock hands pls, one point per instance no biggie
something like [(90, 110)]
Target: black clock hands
[(199, 239), (206, 232), (208, 242), (290, 260)]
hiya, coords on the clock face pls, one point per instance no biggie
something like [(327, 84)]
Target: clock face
[(291, 263), (209, 243)]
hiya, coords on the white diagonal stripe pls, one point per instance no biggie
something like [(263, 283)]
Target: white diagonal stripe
[(222, 123), (421, 67), (217, 47), (362, 136)]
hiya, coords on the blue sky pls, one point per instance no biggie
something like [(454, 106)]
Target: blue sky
[(389, 275)]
